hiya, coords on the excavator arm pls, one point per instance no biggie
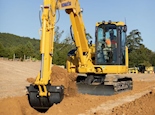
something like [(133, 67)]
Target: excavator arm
[(46, 44), (72, 7), (42, 94)]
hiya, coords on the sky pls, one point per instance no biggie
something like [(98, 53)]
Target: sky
[(21, 17)]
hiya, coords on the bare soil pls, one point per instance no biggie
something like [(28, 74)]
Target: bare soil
[(142, 106), (14, 77)]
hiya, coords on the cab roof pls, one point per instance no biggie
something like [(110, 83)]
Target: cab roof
[(119, 23)]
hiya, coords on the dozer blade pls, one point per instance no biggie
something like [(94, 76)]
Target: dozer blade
[(95, 89), (112, 84), (55, 95)]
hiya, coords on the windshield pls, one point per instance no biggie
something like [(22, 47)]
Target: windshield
[(107, 32), (106, 44)]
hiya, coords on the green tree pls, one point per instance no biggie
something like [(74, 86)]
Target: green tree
[(29, 49), (11, 43), (57, 45), (140, 56), (138, 53), (58, 35), (20, 51), (61, 50), (152, 59), (9, 52), (88, 36), (2, 50), (134, 40)]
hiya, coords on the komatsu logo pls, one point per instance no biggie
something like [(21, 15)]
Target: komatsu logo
[(65, 4)]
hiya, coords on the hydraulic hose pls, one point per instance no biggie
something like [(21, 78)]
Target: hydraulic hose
[(71, 33)]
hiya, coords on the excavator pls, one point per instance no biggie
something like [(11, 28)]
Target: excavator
[(101, 62)]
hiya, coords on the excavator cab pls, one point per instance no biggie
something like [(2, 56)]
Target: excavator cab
[(110, 43), (110, 58)]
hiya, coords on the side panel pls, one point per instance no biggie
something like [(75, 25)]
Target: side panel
[(112, 69)]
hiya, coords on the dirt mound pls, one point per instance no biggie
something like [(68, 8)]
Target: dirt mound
[(142, 106), (16, 106), (60, 76), (30, 80)]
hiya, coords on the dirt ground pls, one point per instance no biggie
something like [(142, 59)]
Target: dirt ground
[(13, 98)]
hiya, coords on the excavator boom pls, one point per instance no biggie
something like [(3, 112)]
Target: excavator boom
[(42, 94)]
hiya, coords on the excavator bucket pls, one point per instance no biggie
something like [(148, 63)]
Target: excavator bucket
[(55, 95)]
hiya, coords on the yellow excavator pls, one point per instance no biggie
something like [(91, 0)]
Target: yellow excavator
[(103, 62), (109, 55)]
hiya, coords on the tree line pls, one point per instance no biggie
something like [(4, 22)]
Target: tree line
[(139, 54), (11, 44), (25, 47)]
